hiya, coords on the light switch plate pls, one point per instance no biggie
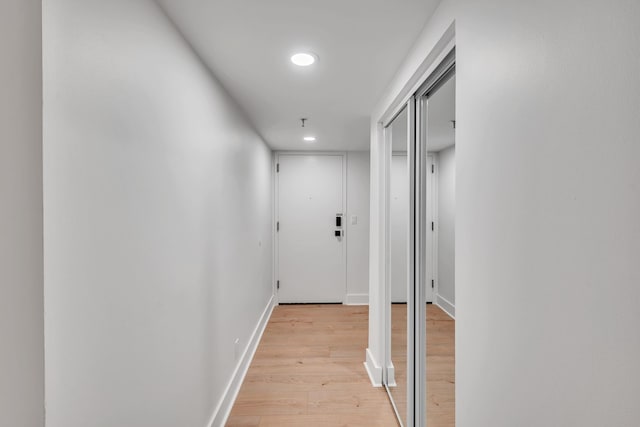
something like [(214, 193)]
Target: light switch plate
[(354, 219)]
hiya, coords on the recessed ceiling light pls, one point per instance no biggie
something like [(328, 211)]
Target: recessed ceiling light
[(303, 59), (309, 138)]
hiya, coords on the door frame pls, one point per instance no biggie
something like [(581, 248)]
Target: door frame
[(276, 213)]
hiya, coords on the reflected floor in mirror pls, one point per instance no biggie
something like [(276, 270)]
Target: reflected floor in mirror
[(440, 363), (308, 371)]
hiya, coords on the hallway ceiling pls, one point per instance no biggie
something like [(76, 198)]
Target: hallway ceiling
[(247, 44)]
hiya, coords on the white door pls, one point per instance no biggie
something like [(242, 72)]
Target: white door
[(399, 227), (311, 258)]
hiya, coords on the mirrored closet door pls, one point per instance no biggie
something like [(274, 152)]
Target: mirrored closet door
[(397, 277), (420, 253), (437, 122)]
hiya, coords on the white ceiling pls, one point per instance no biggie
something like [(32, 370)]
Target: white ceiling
[(248, 43)]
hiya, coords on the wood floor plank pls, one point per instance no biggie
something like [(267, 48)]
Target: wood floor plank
[(328, 420), (259, 403), (243, 421)]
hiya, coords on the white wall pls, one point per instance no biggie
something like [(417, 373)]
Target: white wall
[(358, 234), (21, 276), (157, 206), (446, 223), (547, 208)]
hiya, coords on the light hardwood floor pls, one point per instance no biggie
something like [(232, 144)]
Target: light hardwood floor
[(308, 371), (441, 365)]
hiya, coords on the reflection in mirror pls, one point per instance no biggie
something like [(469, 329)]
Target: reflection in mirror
[(397, 281), (440, 351)]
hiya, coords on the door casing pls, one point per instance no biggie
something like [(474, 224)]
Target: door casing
[(276, 213)]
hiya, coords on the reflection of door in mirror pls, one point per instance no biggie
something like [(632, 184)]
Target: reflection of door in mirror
[(440, 242), (397, 276), (398, 217)]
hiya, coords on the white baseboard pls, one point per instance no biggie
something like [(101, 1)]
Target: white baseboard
[(446, 306), (373, 369), (223, 409), (357, 299), (391, 375)]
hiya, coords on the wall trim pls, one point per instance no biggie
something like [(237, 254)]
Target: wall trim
[(223, 408), (391, 375), (373, 369), (276, 209), (446, 306), (356, 299)]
